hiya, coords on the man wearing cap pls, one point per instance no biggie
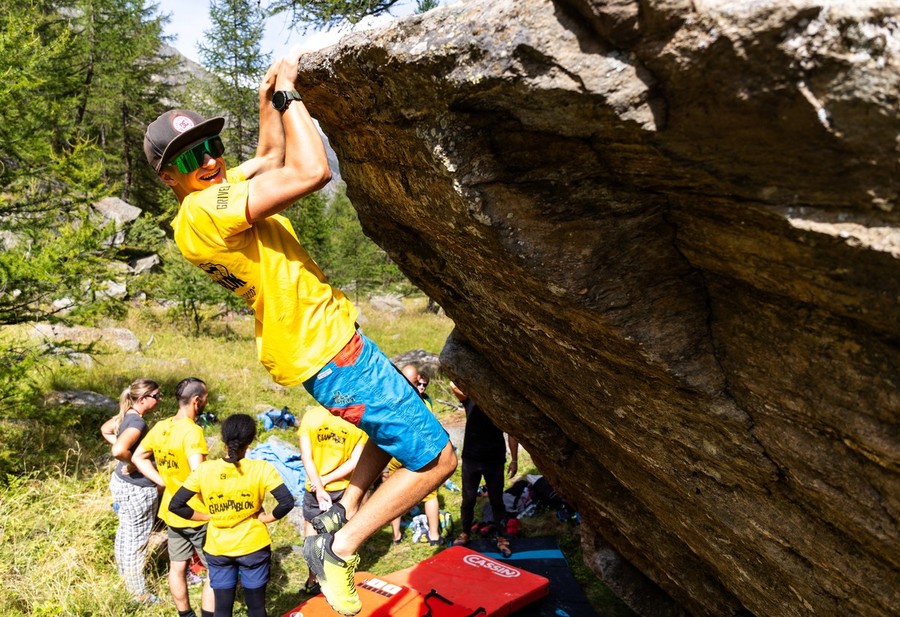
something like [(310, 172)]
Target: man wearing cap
[(228, 225)]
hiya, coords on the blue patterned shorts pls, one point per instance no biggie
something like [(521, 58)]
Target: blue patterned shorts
[(362, 386)]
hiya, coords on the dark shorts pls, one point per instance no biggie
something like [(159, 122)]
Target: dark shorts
[(362, 386), (183, 541), (254, 569), (311, 507)]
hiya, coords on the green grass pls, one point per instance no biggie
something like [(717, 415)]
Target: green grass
[(56, 521)]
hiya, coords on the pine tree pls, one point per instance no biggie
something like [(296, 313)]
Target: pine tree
[(234, 56), (121, 90), (195, 295), (49, 174), (425, 5), (309, 218), (356, 263)]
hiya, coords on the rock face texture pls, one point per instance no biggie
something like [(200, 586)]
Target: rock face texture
[(667, 232)]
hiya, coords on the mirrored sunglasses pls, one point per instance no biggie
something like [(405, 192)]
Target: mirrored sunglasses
[(192, 159), (157, 396)]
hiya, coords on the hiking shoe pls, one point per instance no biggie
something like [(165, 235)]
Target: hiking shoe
[(330, 520), (147, 598), (335, 575)]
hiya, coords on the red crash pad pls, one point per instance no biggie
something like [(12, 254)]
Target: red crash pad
[(381, 598), (471, 580)]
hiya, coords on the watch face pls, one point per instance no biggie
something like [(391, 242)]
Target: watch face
[(279, 99)]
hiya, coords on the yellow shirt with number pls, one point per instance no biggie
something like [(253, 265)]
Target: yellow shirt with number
[(301, 321), (333, 440), (234, 494), (173, 441)]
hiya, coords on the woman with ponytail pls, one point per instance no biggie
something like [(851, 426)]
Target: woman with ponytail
[(134, 496), (237, 540)]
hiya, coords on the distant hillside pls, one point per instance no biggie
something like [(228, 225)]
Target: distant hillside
[(186, 72)]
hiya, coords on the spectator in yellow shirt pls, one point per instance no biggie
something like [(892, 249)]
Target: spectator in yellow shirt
[(177, 445), (330, 448), (237, 540)]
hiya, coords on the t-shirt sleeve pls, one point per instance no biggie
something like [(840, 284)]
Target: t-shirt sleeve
[(307, 422), (360, 438), (271, 478), (195, 443), (149, 440), (192, 482), (133, 421)]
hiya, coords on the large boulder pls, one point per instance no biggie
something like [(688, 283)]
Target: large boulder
[(667, 232)]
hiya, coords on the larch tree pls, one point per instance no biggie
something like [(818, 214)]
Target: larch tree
[(232, 53), (48, 175), (325, 14), (123, 89)]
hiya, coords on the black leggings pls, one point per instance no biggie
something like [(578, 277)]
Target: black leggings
[(255, 599), (472, 472)]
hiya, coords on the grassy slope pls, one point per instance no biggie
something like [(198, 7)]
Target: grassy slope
[(57, 527)]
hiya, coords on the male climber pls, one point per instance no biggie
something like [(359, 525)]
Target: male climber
[(228, 224)]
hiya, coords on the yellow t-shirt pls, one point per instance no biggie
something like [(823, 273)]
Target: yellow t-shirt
[(333, 440), (233, 495), (172, 442), (394, 465), (301, 322)]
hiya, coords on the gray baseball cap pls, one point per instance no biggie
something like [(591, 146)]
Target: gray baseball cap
[(174, 132)]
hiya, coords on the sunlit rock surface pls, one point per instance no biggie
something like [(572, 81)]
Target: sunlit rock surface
[(667, 232)]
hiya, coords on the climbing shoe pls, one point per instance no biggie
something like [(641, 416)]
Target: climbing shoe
[(330, 520), (335, 575), (311, 588)]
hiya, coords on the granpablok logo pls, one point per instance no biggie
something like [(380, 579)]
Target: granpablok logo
[(480, 561)]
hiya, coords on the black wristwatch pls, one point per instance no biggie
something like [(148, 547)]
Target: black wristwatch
[(281, 99)]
